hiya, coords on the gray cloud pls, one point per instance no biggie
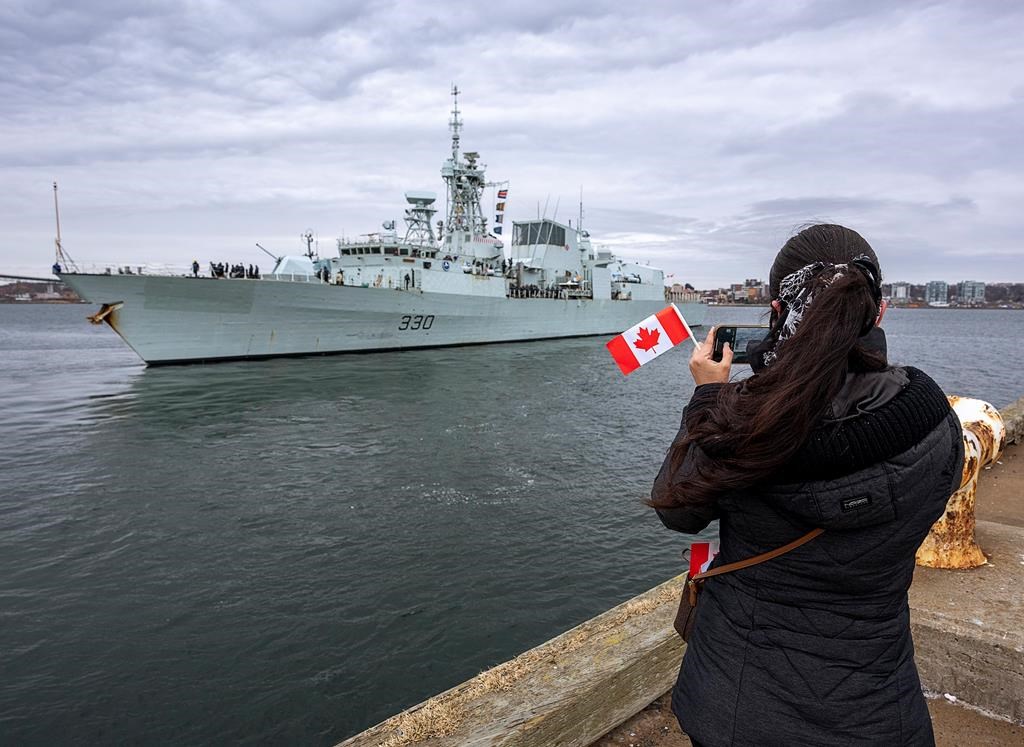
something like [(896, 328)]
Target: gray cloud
[(703, 134)]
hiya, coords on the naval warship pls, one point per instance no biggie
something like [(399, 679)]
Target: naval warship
[(433, 286)]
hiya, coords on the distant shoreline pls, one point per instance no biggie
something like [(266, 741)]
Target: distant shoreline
[(52, 302), (890, 308)]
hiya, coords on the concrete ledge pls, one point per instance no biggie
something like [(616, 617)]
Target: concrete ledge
[(967, 626)]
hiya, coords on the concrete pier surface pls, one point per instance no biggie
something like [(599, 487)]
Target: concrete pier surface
[(955, 726), (968, 631)]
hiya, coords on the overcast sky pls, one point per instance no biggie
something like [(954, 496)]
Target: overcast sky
[(703, 134)]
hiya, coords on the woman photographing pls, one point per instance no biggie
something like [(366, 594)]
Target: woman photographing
[(813, 646)]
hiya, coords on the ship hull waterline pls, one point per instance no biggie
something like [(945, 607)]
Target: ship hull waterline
[(179, 320)]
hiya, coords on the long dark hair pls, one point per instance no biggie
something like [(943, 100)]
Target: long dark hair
[(759, 424)]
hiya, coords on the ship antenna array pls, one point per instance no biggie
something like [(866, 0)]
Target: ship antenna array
[(455, 124), (62, 258), (579, 223), (308, 238)]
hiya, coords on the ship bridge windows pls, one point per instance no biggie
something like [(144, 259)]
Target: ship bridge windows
[(538, 232)]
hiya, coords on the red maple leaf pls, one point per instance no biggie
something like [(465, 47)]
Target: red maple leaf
[(647, 339)]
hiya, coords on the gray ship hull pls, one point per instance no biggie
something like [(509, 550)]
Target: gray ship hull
[(182, 320)]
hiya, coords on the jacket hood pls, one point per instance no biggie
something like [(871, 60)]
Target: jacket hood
[(891, 432)]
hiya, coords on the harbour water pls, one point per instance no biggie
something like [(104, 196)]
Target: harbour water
[(289, 551)]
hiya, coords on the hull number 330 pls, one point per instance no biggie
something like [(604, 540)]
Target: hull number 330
[(415, 322)]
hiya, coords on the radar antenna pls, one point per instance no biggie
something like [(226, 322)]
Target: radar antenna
[(418, 217)]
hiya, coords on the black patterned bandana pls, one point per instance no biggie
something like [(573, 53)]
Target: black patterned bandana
[(797, 290)]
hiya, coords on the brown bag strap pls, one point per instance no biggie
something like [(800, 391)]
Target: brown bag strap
[(759, 558)]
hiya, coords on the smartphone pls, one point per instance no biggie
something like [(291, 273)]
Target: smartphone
[(737, 335)]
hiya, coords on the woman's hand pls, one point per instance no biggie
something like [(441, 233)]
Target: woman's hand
[(705, 370)]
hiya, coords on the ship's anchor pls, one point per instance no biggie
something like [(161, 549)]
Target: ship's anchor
[(105, 311)]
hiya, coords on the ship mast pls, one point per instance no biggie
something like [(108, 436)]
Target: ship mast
[(308, 237), (62, 258), (454, 124), (464, 178), (579, 223)]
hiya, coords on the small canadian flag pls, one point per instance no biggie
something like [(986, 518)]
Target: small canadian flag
[(649, 339), (701, 555)]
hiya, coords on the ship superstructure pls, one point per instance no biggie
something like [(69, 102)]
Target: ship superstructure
[(548, 259), (448, 282)]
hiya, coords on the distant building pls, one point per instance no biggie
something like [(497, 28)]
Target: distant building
[(970, 292), (686, 293), (23, 291), (900, 293), (936, 293), (756, 290), (718, 295)]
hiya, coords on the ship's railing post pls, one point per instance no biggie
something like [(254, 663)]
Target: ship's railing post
[(951, 542)]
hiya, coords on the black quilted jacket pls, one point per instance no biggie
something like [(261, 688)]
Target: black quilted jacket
[(814, 647)]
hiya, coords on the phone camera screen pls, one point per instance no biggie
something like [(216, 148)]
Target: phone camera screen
[(746, 335), (738, 339)]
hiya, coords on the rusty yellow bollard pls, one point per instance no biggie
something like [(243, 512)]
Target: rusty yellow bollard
[(951, 543)]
